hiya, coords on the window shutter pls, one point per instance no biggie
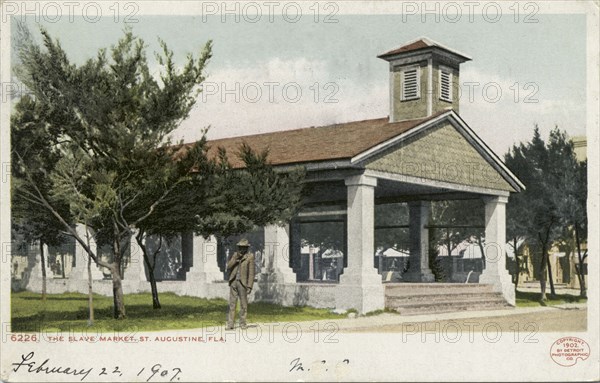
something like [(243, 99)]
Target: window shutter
[(445, 84), (411, 83)]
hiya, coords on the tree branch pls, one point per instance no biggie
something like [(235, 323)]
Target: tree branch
[(53, 211)]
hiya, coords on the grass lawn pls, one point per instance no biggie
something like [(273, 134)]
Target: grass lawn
[(532, 299), (69, 312)]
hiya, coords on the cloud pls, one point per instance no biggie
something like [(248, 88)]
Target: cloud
[(504, 111), (280, 95)]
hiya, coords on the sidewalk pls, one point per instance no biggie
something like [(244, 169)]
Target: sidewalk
[(372, 323), (389, 322)]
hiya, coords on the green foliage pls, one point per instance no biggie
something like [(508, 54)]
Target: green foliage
[(464, 220), (99, 138), (67, 312), (531, 299), (91, 145), (101, 130), (254, 196), (554, 203), (435, 265), (323, 235), (533, 212), (386, 235)]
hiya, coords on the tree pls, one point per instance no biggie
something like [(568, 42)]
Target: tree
[(570, 198), (457, 221), (391, 226), (106, 122), (252, 196), (454, 223), (517, 217), (554, 198), (223, 201), (28, 221)]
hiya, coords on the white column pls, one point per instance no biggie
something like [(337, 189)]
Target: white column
[(419, 243), (311, 264), (79, 272), (360, 285), (277, 253), (49, 272), (34, 259), (495, 272), (33, 271), (205, 268), (134, 276)]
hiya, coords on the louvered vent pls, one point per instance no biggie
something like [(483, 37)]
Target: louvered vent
[(445, 84), (410, 84)]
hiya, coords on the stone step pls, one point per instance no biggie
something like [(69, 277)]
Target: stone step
[(407, 289), (450, 306), (446, 297), (425, 298)]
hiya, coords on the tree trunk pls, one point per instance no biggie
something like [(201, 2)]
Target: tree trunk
[(155, 301), (152, 279), (150, 265), (115, 271), (482, 249), (62, 265), (543, 273), (517, 266), (43, 259), (90, 293), (550, 278), (582, 289), (118, 301), (545, 269), (580, 274)]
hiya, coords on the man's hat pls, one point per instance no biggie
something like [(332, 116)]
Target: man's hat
[(243, 243)]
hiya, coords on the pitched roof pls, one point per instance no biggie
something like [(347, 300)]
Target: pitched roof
[(353, 141), (421, 43), (325, 143)]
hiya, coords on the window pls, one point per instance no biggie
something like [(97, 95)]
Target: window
[(446, 84), (319, 244), (411, 81)]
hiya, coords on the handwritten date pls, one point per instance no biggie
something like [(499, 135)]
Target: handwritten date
[(157, 370), (31, 365)]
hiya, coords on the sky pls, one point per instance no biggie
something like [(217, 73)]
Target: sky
[(276, 74)]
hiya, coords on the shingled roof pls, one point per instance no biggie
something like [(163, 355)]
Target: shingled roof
[(420, 44), (314, 144)]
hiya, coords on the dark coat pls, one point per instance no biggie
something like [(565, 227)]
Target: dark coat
[(247, 269)]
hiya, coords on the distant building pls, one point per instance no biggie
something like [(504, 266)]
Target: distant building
[(580, 145)]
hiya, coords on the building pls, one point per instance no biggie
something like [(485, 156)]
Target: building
[(580, 146), (422, 152)]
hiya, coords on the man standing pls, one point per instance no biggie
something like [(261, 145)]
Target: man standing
[(241, 279)]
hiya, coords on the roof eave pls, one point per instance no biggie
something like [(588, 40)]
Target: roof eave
[(391, 55)]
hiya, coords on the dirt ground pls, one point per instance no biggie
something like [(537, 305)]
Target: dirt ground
[(558, 319)]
